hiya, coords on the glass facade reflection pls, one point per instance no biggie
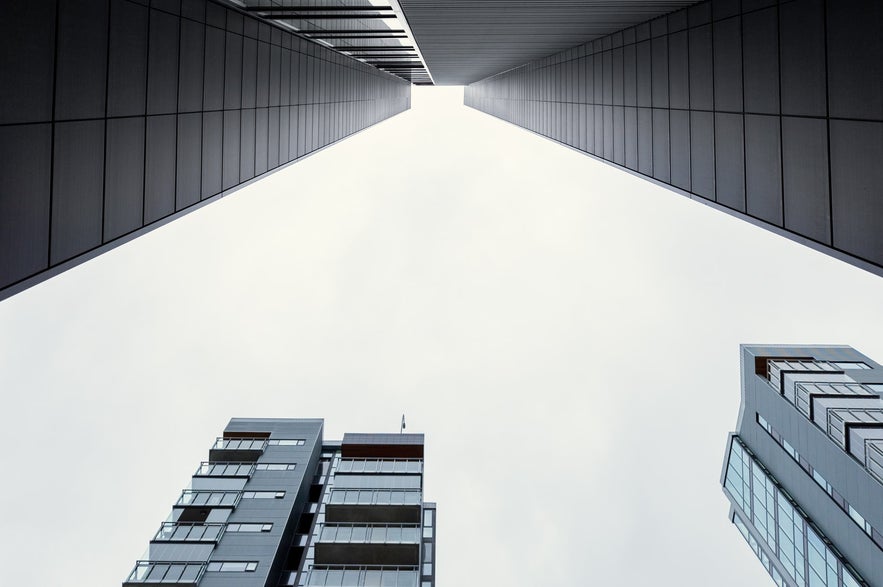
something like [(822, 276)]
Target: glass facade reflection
[(767, 516)]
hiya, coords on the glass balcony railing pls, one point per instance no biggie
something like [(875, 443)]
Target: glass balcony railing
[(777, 366), (207, 498), (224, 469), (169, 573), (363, 576), (183, 532), (805, 390), (240, 444), (375, 497), (373, 534), (380, 466)]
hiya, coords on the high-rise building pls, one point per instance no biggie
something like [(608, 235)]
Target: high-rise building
[(118, 116), (768, 110), (804, 469), (277, 505)]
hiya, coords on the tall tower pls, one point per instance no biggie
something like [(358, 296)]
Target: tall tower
[(276, 505), (804, 470)]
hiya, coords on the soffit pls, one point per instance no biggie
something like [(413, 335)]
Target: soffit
[(463, 41)]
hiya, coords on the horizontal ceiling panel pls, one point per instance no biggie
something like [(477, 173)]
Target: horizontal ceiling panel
[(463, 41)]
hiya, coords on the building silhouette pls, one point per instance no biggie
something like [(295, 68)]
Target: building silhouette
[(804, 470), (119, 116), (275, 504)]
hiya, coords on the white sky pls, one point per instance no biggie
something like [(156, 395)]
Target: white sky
[(565, 334)]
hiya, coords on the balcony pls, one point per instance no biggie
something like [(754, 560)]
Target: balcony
[(208, 499), (187, 532), (374, 506), (225, 469), (237, 449), (380, 466), (777, 367), (376, 497), (365, 576), (806, 392), (168, 573), (386, 544)]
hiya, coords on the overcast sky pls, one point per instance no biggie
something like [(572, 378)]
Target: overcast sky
[(566, 335)]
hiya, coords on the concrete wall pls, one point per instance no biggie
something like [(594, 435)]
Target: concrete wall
[(770, 110), (118, 115)]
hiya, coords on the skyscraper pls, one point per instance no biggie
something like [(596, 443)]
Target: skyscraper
[(276, 505), (759, 108), (804, 469), (119, 116)]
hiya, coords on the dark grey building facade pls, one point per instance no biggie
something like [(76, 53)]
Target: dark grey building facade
[(277, 505), (770, 110), (804, 470), (117, 116)]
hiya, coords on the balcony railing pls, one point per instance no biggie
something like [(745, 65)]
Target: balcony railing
[(224, 469), (371, 534), (380, 466), (806, 390), (183, 532), (378, 497), (169, 573), (240, 444), (777, 366), (208, 498), (363, 576)]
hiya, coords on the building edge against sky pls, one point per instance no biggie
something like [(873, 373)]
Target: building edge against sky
[(769, 110), (117, 117), (121, 116), (804, 470), (275, 504)]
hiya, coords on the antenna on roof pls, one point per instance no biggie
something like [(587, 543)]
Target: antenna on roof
[(402, 430)]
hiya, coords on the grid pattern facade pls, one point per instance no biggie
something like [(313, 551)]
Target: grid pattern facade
[(771, 110), (118, 115)]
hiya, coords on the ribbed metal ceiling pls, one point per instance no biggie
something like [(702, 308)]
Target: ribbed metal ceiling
[(463, 41), (368, 30)]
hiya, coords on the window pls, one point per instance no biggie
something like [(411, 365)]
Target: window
[(286, 442), (275, 466), (860, 520), (764, 423), (263, 494), (249, 527), (851, 365), (790, 450), (232, 566), (821, 481)]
